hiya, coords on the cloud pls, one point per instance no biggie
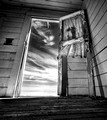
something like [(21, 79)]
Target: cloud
[(41, 70)]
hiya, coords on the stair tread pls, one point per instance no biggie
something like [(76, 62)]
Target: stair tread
[(53, 107)]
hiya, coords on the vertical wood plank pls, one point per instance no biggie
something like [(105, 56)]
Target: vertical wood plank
[(99, 5), (64, 76), (97, 20), (16, 67)]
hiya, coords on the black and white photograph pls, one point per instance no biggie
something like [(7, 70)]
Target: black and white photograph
[(53, 59)]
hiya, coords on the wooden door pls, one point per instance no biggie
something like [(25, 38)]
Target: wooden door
[(74, 44)]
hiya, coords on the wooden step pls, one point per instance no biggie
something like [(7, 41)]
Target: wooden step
[(73, 107)]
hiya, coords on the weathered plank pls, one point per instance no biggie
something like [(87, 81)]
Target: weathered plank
[(3, 91), (102, 68), (12, 24), (100, 25), (3, 82), (78, 83), (14, 9), (14, 19), (10, 29), (8, 48), (13, 14), (101, 91), (18, 59), (103, 81), (90, 6), (95, 2), (101, 45), (77, 66), (99, 5), (68, 108), (99, 16), (78, 91), (100, 35), (6, 64), (102, 56), (9, 35), (55, 15), (76, 59), (87, 3), (59, 4), (5, 73), (77, 74), (7, 56)]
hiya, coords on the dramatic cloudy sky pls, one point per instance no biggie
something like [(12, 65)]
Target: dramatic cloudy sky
[(41, 70)]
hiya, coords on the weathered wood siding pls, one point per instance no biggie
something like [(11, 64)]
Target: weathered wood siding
[(11, 25), (97, 15), (14, 24), (77, 76)]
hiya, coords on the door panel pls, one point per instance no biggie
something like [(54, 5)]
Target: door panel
[(73, 52)]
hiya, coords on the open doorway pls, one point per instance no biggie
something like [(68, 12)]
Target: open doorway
[(40, 76), (50, 70)]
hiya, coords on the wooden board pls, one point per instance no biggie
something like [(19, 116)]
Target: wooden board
[(100, 25), (6, 64), (100, 46), (4, 73), (13, 14), (3, 91), (7, 56), (99, 16), (64, 76), (102, 68), (77, 66), (90, 5), (8, 48), (102, 33), (99, 5), (78, 91), (93, 8), (9, 35), (18, 59), (102, 56), (78, 83), (14, 19), (76, 59), (3, 82), (10, 29), (15, 24), (101, 91), (14, 9), (77, 74), (103, 81)]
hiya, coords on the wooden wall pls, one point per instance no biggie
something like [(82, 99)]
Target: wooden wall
[(11, 26), (14, 23), (77, 76), (97, 16)]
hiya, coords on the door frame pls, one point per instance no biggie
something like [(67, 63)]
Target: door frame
[(25, 47), (16, 67)]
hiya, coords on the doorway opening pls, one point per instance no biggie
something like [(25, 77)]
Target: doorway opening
[(40, 75)]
